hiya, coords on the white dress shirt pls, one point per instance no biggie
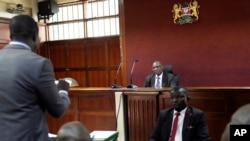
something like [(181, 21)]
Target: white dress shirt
[(178, 135), (160, 80)]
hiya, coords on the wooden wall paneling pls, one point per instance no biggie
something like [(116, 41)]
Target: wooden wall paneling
[(97, 110), (60, 74), (94, 107), (114, 59), (214, 104), (79, 76), (97, 78), (114, 51), (58, 55), (164, 100), (141, 114), (90, 60), (43, 50), (96, 53), (70, 115), (237, 99), (76, 55), (97, 63)]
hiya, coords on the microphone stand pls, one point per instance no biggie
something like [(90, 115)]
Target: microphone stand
[(115, 85), (131, 85)]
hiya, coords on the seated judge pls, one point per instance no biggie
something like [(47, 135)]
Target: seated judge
[(180, 122), (160, 78), (73, 131)]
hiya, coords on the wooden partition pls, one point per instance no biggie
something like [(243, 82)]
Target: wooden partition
[(93, 62), (218, 103), (141, 111), (95, 107)]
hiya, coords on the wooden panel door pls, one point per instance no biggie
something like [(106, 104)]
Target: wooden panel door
[(97, 110), (70, 115), (92, 62), (141, 114)]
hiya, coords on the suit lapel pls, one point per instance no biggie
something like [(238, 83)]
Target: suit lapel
[(186, 123), (164, 80), (169, 121), (153, 81)]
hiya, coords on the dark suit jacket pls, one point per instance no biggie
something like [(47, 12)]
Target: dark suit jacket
[(168, 80), (27, 92), (194, 126)]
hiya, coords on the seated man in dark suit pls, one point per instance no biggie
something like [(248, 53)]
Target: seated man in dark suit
[(180, 122), (73, 131), (160, 78)]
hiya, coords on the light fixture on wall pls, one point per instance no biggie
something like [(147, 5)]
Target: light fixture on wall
[(17, 9)]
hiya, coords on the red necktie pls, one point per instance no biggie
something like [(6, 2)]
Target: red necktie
[(174, 128)]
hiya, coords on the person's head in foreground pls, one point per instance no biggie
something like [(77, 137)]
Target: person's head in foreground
[(179, 97), (24, 28), (240, 117), (73, 131)]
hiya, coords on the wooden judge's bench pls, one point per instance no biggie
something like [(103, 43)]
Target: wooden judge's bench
[(133, 112)]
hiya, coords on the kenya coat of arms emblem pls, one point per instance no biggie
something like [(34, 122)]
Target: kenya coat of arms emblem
[(186, 13)]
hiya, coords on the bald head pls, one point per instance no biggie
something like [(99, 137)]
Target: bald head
[(73, 131), (157, 67), (241, 116)]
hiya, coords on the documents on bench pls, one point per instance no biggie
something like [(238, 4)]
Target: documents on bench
[(52, 135), (104, 135)]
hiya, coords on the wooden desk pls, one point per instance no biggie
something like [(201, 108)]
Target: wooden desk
[(95, 107)]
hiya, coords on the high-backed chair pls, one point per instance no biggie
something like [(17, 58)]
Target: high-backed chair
[(169, 69)]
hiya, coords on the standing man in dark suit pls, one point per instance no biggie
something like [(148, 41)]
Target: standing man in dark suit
[(28, 90), (160, 78), (191, 123)]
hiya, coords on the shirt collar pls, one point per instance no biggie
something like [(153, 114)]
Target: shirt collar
[(160, 76), (20, 43), (182, 112)]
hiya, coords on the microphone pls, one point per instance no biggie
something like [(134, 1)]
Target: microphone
[(115, 85), (131, 85)]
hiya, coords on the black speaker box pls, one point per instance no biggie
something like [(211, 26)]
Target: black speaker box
[(47, 8)]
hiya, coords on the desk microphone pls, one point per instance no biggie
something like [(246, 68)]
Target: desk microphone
[(115, 85), (131, 85)]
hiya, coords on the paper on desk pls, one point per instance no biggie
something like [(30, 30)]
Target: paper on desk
[(102, 134), (52, 135)]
